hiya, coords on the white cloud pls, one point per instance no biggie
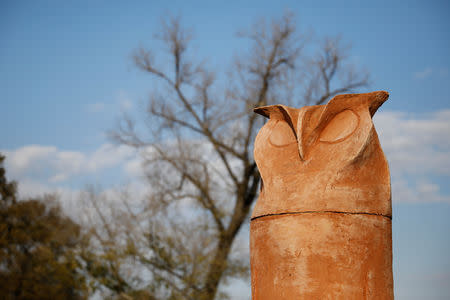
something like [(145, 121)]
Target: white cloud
[(416, 145), (108, 155), (133, 167), (21, 159), (418, 151), (73, 200), (48, 163), (423, 74), (416, 192)]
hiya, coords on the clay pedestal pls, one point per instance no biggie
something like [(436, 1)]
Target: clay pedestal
[(321, 228)]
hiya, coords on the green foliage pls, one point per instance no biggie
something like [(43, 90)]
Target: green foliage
[(38, 248)]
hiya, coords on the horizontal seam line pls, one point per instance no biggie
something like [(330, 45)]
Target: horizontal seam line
[(322, 211)]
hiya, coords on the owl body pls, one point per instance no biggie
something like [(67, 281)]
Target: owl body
[(321, 228)]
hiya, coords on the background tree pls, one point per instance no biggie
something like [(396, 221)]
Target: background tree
[(197, 151), (38, 257)]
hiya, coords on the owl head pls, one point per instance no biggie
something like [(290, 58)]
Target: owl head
[(323, 158)]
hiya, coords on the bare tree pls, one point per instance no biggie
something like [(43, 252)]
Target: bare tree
[(198, 146)]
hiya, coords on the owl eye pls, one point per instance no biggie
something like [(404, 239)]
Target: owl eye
[(340, 127), (282, 134)]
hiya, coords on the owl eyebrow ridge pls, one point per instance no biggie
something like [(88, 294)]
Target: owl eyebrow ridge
[(278, 111), (288, 119)]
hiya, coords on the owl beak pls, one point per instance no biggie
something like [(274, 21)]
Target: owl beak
[(376, 100)]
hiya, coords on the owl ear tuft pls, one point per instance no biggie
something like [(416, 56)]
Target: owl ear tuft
[(371, 101), (280, 112), (376, 100), (263, 110), (277, 111)]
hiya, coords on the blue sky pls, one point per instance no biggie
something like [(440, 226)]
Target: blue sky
[(66, 73)]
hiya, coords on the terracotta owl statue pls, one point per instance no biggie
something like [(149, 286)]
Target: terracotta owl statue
[(321, 228)]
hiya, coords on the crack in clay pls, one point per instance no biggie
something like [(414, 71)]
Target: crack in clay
[(322, 211)]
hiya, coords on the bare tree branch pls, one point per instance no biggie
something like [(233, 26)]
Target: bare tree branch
[(198, 153)]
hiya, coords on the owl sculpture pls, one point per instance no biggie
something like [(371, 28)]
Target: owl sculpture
[(321, 228)]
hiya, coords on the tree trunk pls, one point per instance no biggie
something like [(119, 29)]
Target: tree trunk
[(226, 239), (217, 268)]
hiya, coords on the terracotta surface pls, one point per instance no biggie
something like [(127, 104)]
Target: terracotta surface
[(321, 228)]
